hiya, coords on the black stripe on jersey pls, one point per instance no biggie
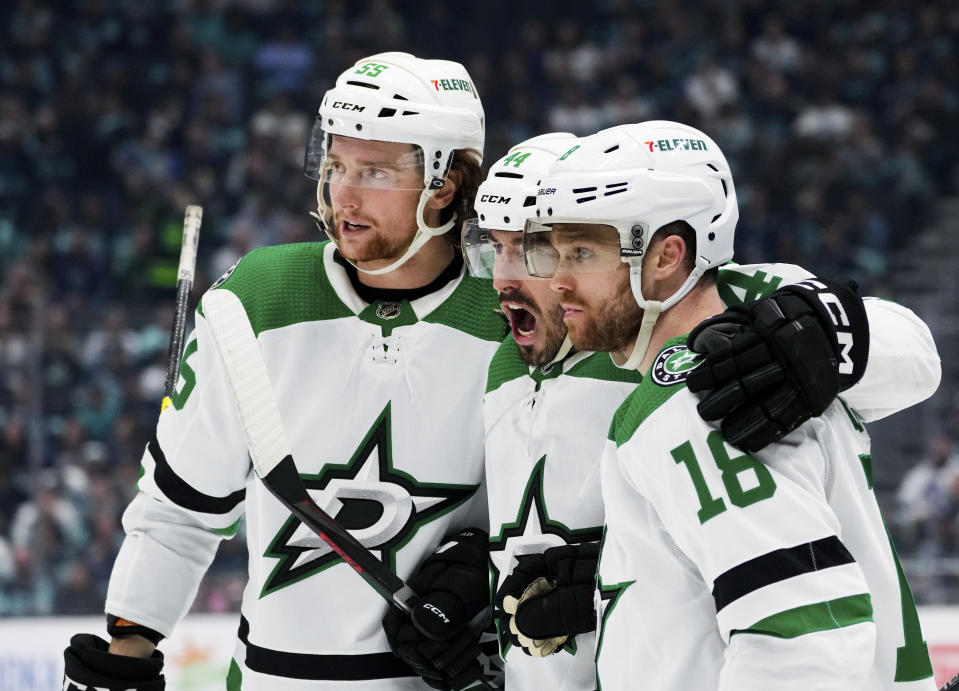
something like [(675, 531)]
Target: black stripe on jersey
[(361, 667), (778, 566), (182, 494)]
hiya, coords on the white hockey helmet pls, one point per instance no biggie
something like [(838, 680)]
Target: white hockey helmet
[(397, 97), (638, 178), (507, 198)]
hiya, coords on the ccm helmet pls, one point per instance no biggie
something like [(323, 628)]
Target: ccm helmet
[(507, 198), (397, 97)]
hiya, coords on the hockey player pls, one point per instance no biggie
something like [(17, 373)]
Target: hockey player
[(545, 505), (377, 345), (719, 569)]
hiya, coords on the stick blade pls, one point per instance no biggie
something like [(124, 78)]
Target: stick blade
[(240, 352)]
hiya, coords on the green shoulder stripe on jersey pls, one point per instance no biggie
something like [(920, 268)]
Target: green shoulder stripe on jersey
[(643, 402), (821, 616), (600, 366), (473, 308), (506, 365), (284, 285)]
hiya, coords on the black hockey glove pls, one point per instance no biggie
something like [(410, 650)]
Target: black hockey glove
[(774, 363), (440, 639), (87, 665), (548, 598)]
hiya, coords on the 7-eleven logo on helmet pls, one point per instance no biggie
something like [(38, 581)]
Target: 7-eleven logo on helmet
[(453, 85)]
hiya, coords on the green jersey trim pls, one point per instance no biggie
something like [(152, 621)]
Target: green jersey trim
[(821, 616), (234, 678), (600, 366), (284, 285), (473, 308), (643, 402), (506, 365)]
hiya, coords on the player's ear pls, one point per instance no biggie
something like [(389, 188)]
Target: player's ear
[(665, 257)]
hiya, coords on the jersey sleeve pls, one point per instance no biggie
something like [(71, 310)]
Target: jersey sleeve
[(191, 494), (761, 534), (904, 367)]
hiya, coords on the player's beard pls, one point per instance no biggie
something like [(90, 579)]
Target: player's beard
[(609, 326), (551, 331), (387, 244)]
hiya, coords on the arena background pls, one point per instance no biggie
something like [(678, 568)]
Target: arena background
[(838, 118)]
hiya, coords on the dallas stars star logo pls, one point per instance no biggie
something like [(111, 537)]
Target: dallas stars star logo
[(607, 597), (381, 506), (533, 527)]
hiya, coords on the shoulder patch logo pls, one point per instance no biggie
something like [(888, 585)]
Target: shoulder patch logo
[(674, 364)]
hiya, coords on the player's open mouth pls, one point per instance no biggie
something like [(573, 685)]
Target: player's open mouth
[(348, 228), (522, 322)]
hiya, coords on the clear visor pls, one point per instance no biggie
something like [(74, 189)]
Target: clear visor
[(338, 161), (493, 253), (575, 247)]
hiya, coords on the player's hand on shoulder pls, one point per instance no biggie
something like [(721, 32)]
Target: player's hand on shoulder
[(440, 639), (772, 364), (548, 598), (88, 664)]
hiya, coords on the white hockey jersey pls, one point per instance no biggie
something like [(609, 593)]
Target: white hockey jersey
[(721, 570), (381, 404), (546, 430)]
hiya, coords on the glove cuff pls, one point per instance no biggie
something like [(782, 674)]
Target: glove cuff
[(840, 310)]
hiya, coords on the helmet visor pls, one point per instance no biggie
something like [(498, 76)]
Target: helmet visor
[(493, 253), (338, 161), (572, 246)]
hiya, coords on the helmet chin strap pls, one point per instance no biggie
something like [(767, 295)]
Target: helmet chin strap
[(651, 311), (641, 344), (424, 234)]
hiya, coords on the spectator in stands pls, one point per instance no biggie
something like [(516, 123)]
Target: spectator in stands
[(114, 115)]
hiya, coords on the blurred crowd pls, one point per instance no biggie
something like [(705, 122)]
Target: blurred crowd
[(116, 114)]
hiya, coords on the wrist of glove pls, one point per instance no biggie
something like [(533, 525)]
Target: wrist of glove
[(88, 664), (548, 598), (440, 639), (772, 364)]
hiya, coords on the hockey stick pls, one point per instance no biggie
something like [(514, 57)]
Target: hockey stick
[(271, 453), (270, 449), (184, 281)]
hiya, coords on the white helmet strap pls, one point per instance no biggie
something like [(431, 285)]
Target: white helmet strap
[(650, 315), (424, 233), (652, 310)]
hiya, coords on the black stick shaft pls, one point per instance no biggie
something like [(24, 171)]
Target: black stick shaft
[(285, 484), (185, 272)]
